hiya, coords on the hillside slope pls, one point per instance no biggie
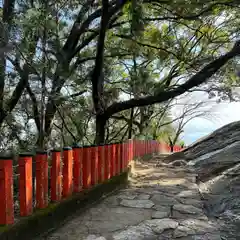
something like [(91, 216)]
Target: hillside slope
[(216, 160)]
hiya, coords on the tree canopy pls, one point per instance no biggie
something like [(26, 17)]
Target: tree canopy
[(99, 71)]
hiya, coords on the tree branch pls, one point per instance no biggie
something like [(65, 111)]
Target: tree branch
[(194, 16), (163, 96), (97, 78)]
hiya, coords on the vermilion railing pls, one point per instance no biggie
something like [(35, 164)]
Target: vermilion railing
[(72, 170)]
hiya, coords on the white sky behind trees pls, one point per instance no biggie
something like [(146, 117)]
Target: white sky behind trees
[(220, 115)]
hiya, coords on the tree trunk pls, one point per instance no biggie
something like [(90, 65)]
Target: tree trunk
[(130, 124), (171, 143), (40, 140), (100, 129)]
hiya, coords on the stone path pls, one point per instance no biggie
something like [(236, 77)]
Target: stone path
[(159, 203)]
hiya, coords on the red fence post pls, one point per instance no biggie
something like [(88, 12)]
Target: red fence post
[(135, 145), (86, 167), (25, 184), (56, 176), (109, 160), (94, 165), (145, 148), (125, 156), (67, 172), (130, 150), (110, 155), (6, 191), (41, 180), (117, 158), (140, 148), (133, 148), (106, 163), (114, 159), (100, 164), (77, 168), (136, 148), (121, 158)]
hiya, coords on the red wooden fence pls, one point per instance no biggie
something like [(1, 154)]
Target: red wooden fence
[(72, 170)]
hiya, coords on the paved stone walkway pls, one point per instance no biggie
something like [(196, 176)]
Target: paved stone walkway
[(159, 203)]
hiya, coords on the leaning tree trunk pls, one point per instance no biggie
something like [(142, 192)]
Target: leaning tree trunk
[(171, 143), (130, 126), (101, 122)]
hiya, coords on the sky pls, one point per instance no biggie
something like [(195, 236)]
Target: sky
[(222, 114)]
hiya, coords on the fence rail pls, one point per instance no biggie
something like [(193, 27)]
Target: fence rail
[(68, 171)]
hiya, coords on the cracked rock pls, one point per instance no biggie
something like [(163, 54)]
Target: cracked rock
[(137, 203), (199, 226), (182, 231), (127, 195), (189, 201), (143, 197), (189, 209), (163, 200), (189, 194), (159, 214), (140, 232), (160, 225), (94, 237)]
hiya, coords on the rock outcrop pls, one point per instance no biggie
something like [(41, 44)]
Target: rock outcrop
[(216, 160)]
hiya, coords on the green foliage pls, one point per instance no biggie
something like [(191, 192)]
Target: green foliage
[(150, 47)]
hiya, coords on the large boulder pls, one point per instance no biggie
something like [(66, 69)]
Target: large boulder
[(217, 140), (216, 160), (214, 153)]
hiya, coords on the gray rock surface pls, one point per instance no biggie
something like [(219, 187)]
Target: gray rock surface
[(159, 214), (216, 160), (189, 209), (160, 203), (137, 203)]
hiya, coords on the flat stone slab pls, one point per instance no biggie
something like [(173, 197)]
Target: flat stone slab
[(189, 194), (159, 214), (190, 201), (94, 237), (189, 209), (163, 200), (199, 226), (182, 231), (160, 225), (149, 229), (140, 232), (143, 196), (137, 203), (127, 195)]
